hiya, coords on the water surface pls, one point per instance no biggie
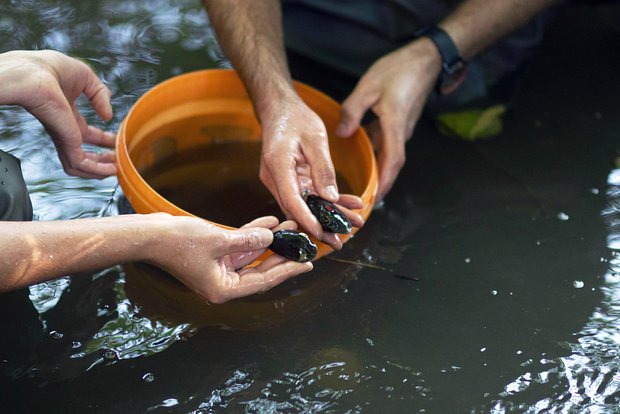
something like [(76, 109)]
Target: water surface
[(515, 242)]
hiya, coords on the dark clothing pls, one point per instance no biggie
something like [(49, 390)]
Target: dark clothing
[(348, 36), (18, 318), (15, 202)]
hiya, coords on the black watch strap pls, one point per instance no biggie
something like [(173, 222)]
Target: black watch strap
[(453, 66)]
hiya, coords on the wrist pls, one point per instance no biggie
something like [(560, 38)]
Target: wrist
[(155, 232), (273, 99), (453, 68), (425, 53)]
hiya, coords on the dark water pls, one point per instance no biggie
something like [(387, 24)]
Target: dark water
[(225, 173), (515, 241)]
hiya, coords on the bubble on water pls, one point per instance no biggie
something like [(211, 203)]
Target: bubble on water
[(370, 342), (76, 344), (594, 190), (467, 260), (56, 335), (148, 377), (109, 354), (494, 292), (578, 284), (563, 216), (483, 349)]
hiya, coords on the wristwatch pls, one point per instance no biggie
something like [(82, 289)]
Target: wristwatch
[(453, 67)]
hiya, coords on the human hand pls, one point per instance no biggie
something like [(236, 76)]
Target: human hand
[(295, 158), (395, 88), (207, 258), (47, 84)]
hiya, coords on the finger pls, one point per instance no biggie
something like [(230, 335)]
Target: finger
[(254, 281), (286, 225), (89, 164), (332, 240), (99, 137), (60, 122), (98, 94), (322, 168), (392, 155), (268, 263), (243, 240), (242, 259), (279, 176), (285, 189), (354, 108), (267, 222), (356, 219), (300, 212), (75, 160), (350, 201)]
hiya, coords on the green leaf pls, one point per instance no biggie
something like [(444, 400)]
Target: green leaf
[(472, 124)]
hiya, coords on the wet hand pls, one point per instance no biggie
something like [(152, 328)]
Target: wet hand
[(296, 158), (47, 84), (395, 88), (211, 261)]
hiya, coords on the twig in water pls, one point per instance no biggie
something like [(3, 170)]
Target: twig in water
[(373, 266)]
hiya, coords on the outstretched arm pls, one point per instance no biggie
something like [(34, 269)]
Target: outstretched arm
[(295, 153), (397, 86), (204, 257)]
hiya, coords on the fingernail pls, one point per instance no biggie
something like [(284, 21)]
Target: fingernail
[(332, 193), (341, 130)]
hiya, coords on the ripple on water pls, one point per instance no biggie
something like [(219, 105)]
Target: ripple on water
[(588, 379)]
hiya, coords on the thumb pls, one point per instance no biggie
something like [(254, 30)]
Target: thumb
[(352, 111), (245, 240)]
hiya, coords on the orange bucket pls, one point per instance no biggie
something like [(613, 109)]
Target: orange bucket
[(213, 105)]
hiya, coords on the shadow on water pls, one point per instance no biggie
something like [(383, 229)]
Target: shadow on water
[(514, 241)]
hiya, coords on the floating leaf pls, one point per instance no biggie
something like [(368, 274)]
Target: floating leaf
[(472, 124)]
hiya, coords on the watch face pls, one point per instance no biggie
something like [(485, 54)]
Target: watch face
[(452, 77)]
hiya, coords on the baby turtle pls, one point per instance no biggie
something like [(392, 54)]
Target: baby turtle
[(329, 216), (293, 245)]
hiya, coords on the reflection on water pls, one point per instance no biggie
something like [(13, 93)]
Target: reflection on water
[(124, 43), (516, 308), (588, 379)]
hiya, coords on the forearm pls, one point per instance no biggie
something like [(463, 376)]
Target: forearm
[(43, 250), (477, 24), (250, 34)]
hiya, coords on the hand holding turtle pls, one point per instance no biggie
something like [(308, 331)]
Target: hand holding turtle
[(295, 159), (211, 260)]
